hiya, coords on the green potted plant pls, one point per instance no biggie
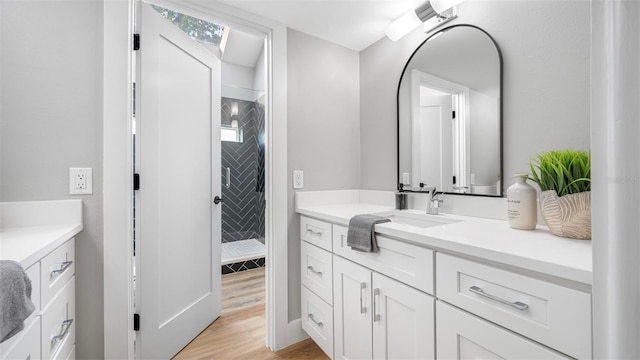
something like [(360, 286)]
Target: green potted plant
[(564, 177)]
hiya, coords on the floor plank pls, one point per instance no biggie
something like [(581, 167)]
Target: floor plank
[(240, 331)]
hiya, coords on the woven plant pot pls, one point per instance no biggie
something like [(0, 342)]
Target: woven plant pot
[(569, 215)]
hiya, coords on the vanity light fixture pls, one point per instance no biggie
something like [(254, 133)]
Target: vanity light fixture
[(234, 115), (432, 14)]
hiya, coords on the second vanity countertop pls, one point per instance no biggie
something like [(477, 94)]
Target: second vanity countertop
[(30, 230), (536, 250)]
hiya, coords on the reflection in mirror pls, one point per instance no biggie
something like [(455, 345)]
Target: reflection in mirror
[(449, 114)]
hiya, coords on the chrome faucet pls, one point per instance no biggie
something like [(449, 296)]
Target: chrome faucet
[(434, 201)]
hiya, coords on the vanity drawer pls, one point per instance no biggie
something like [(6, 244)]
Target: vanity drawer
[(317, 275), (407, 263), (55, 270), (554, 315), (316, 232), (23, 345), (58, 326), (460, 335), (317, 321)]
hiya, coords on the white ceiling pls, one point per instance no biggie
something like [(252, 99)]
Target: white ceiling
[(354, 24)]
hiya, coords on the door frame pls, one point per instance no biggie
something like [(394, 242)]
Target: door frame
[(118, 172)]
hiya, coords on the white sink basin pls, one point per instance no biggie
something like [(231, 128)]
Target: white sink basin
[(418, 219)]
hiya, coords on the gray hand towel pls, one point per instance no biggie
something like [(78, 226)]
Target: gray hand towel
[(361, 235), (15, 299)]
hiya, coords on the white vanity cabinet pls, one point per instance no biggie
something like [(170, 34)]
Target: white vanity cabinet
[(351, 310), (49, 332), (40, 236), (437, 295), (461, 335), (549, 313), (378, 317), (316, 266)]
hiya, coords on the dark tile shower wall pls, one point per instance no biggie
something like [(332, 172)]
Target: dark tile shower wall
[(243, 210)]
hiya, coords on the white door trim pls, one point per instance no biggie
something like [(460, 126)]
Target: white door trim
[(118, 173), (117, 180)]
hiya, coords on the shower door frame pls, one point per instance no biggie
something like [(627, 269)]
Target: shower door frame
[(118, 172)]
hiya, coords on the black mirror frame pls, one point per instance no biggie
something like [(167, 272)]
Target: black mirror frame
[(399, 183)]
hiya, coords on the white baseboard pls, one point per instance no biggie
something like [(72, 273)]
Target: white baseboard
[(295, 334)]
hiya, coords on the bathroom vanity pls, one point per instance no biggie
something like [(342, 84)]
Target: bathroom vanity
[(441, 286), (40, 236)]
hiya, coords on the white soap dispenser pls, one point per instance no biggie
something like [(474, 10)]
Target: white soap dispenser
[(522, 205)]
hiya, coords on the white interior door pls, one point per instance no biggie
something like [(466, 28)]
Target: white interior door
[(178, 226), (434, 133)]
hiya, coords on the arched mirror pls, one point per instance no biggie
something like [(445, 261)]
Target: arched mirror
[(450, 114)]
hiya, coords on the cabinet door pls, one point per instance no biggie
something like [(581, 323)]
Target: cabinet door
[(464, 336), (403, 321), (352, 310)]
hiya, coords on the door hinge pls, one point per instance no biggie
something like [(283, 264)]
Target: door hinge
[(136, 181), (136, 42), (136, 322), (453, 114)]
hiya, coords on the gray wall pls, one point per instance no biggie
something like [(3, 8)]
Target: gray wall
[(50, 120), (545, 49), (323, 129)]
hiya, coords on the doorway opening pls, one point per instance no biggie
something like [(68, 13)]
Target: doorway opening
[(243, 172)]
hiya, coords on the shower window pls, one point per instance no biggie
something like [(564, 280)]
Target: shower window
[(231, 134)]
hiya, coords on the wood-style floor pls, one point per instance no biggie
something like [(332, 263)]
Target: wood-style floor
[(239, 333)]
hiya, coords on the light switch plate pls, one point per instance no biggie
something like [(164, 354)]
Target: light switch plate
[(80, 181), (298, 179)]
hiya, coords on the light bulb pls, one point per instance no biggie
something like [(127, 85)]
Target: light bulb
[(403, 25)]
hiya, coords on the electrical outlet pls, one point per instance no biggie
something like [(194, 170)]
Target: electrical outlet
[(405, 178), (80, 181), (473, 179), (298, 179)]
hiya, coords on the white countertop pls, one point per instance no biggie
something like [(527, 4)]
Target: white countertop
[(27, 245), (32, 229), (536, 250)]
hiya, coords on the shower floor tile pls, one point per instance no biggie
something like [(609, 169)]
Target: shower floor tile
[(242, 250)]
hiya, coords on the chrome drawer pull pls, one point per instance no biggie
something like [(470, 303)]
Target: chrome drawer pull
[(66, 326), (319, 273), (319, 323), (376, 294), (516, 305), (314, 232), (363, 308), (63, 266)]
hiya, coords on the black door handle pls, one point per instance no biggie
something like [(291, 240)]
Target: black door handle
[(217, 200)]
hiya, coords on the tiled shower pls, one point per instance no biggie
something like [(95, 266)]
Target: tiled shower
[(243, 183)]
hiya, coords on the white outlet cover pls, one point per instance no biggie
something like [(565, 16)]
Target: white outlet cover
[(298, 179), (405, 178), (80, 181)]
